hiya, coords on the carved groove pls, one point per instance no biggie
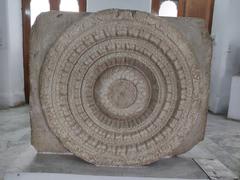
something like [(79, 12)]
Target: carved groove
[(121, 88)]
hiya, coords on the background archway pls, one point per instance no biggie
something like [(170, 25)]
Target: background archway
[(168, 9)]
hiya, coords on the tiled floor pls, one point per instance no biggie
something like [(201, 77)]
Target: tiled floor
[(222, 141)]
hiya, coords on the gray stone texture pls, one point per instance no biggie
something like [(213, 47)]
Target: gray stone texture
[(221, 143), (46, 30), (179, 47)]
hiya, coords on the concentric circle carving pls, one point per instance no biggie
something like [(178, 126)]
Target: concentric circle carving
[(122, 92), (118, 88)]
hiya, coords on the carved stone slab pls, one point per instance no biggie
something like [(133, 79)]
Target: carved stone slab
[(125, 87)]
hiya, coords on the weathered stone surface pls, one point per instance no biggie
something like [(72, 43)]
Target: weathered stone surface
[(120, 87), (46, 30)]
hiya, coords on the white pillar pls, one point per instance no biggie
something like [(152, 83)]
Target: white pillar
[(97, 5), (234, 105)]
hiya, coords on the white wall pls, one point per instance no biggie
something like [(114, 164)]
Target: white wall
[(97, 5), (226, 52), (11, 57)]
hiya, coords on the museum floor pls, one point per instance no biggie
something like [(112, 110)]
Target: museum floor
[(222, 142)]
